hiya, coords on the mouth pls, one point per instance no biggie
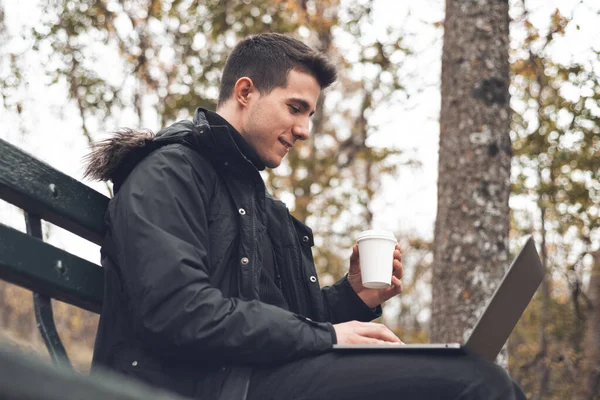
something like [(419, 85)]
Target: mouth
[(286, 144)]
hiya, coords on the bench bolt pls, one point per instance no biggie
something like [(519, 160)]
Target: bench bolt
[(59, 267), (53, 190)]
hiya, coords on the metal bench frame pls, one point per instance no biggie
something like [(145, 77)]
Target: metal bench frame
[(43, 192)]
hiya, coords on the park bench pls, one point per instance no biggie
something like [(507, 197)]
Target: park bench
[(42, 192)]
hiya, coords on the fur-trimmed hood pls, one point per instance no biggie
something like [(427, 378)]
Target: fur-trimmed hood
[(114, 158), (109, 154)]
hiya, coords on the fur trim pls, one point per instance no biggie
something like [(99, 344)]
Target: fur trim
[(108, 154)]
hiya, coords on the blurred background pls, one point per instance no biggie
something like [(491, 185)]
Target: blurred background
[(73, 71)]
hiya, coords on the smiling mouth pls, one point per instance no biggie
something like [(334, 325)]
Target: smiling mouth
[(286, 144)]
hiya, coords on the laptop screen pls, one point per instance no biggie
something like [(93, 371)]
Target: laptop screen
[(507, 304)]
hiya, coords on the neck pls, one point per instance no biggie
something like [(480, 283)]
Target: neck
[(231, 115)]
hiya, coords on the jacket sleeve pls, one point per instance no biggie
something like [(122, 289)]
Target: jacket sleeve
[(159, 223), (343, 304)]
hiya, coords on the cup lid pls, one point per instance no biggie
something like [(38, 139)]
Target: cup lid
[(376, 234)]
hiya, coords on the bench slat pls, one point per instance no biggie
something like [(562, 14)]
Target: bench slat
[(34, 186), (45, 269), (28, 377)]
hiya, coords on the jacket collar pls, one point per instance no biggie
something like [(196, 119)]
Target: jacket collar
[(114, 158), (216, 143), (215, 119)]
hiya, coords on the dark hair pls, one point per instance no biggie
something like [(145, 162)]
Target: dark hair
[(267, 59)]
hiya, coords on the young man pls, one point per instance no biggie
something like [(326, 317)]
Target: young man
[(211, 290)]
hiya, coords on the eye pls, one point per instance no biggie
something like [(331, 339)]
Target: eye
[(293, 109)]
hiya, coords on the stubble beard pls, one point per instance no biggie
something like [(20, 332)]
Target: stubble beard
[(254, 136)]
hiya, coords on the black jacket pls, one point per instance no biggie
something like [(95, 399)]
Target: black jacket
[(181, 307)]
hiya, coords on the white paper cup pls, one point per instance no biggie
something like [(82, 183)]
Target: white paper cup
[(376, 251)]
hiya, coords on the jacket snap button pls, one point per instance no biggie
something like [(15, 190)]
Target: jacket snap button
[(305, 239), (313, 278), (134, 363), (245, 260), (242, 211)]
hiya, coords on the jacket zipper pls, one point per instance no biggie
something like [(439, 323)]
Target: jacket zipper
[(297, 274), (254, 278)]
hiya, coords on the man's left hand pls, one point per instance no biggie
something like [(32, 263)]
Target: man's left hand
[(374, 297)]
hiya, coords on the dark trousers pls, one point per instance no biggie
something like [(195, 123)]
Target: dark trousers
[(363, 376)]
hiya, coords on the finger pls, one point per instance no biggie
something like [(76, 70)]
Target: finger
[(377, 331), (359, 339), (368, 340), (354, 255), (398, 269), (397, 285), (393, 290), (400, 343), (397, 255)]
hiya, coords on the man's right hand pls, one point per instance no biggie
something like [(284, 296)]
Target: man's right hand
[(355, 332)]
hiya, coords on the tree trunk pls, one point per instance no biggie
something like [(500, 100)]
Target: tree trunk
[(3, 33), (543, 356), (471, 230), (589, 387), (2, 26)]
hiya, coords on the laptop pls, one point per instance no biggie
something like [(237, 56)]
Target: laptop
[(498, 320)]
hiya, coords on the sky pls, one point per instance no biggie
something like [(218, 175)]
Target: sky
[(406, 204)]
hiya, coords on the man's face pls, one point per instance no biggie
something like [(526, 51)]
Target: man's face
[(275, 121)]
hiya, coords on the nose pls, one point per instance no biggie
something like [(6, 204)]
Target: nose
[(301, 130)]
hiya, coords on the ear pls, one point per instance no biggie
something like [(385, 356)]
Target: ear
[(243, 89)]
